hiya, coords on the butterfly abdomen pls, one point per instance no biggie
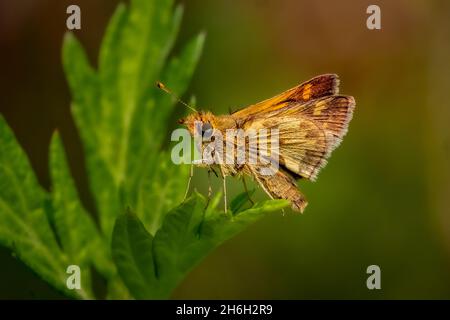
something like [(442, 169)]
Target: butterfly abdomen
[(283, 186)]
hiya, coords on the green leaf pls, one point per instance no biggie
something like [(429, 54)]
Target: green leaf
[(240, 201), (83, 83), (150, 125), (112, 110), (84, 86), (153, 266), (24, 227), (120, 149), (189, 233), (76, 230), (221, 227), (139, 54), (173, 252), (164, 189), (132, 253)]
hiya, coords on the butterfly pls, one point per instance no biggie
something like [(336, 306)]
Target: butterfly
[(310, 121)]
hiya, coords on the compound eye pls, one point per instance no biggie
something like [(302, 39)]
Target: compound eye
[(207, 130)]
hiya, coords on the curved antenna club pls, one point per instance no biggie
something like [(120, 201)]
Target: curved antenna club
[(161, 86)]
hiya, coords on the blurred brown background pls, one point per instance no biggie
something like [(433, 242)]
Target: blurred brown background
[(383, 198)]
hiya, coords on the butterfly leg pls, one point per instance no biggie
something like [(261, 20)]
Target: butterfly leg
[(209, 188), (224, 189), (214, 171), (207, 201), (225, 193), (246, 191), (191, 173)]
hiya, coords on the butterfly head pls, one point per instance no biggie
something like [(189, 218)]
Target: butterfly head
[(198, 122)]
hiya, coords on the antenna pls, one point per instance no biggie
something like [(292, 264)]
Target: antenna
[(161, 86)]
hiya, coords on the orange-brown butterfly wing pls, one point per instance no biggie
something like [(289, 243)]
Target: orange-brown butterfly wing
[(317, 87)]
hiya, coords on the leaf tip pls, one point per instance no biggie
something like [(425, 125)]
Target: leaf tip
[(179, 10), (68, 37), (55, 139), (202, 37)]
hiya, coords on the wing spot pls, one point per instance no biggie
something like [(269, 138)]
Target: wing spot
[(306, 95)]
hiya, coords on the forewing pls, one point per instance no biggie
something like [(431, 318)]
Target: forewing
[(320, 86)]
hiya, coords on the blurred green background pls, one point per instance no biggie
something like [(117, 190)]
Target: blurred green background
[(383, 198)]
